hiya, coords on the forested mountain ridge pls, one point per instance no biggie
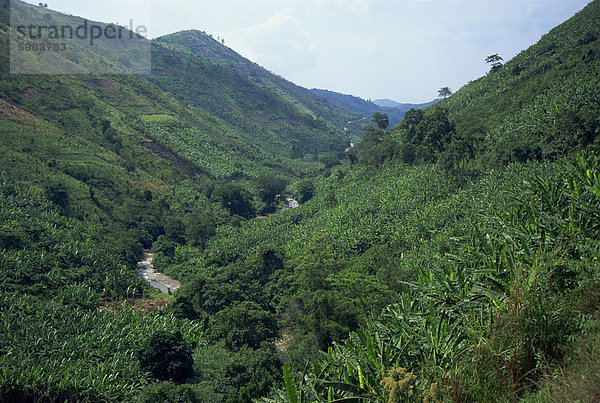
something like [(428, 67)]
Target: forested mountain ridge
[(409, 272), (114, 135), (367, 108), (258, 116), (207, 48)]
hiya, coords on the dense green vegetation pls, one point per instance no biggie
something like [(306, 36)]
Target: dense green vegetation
[(488, 301), (453, 257), (258, 115), (540, 105), (205, 47)]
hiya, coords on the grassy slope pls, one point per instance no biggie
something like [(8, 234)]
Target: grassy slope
[(258, 116), (112, 138), (543, 101), (207, 48), (254, 126)]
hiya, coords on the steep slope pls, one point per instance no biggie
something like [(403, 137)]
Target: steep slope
[(209, 49), (119, 150), (419, 282), (541, 104), (97, 168), (274, 122), (451, 284), (259, 115)]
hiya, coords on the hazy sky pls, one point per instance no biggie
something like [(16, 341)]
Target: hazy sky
[(399, 49)]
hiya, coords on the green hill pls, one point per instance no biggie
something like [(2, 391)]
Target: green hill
[(95, 168), (262, 116), (542, 104), (422, 274), (207, 48), (204, 122)]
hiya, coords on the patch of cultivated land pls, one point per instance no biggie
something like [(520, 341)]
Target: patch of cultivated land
[(10, 111)]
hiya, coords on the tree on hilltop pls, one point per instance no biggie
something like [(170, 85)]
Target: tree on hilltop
[(445, 92), (495, 61)]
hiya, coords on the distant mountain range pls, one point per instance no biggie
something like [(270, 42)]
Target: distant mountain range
[(394, 110), (386, 102)]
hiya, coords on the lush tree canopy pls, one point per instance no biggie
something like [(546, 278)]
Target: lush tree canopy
[(381, 120), (235, 199), (269, 187), (167, 357)]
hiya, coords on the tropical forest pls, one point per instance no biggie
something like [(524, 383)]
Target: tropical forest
[(311, 252)]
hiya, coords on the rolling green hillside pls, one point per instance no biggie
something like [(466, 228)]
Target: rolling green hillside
[(118, 151), (542, 104), (206, 48), (452, 282), (95, 168), (260, 116), (204, 122)]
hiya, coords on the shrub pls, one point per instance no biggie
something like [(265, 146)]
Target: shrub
[(166, 356), (235, 199), (57, 193), (244, 323)]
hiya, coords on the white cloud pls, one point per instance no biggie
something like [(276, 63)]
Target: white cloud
[(279, 43), (358, 7)]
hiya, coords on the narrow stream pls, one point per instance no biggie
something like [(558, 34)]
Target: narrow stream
[(157, 280), (167, 284), (292, 202)]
